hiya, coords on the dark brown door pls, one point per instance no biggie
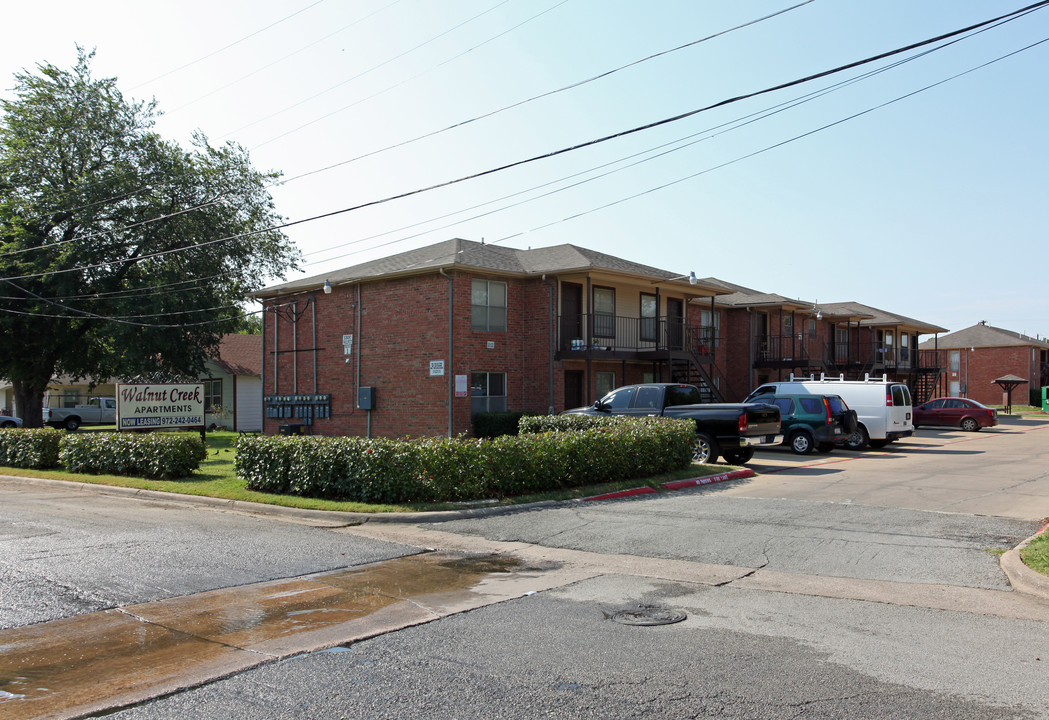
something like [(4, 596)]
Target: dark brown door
[(675, 324), (573, 389), (571, 317)]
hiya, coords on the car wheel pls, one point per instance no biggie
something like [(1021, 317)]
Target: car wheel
[(858, 440), (970, 425), (824, 447), (72, 424), (705, 450), (8, 424), (801, 443), (739, 457)]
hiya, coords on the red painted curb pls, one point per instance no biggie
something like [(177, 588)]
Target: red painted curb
[(622, 493), (710, 479)]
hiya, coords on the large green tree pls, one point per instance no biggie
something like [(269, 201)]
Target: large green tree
[(120, 252)]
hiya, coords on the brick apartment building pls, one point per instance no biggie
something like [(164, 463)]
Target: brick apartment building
[(973, 358), (417, 343), (763, 337)]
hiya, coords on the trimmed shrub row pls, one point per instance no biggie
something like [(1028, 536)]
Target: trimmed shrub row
[(36, 449), (152, 456), (490, 425), (384, 470)]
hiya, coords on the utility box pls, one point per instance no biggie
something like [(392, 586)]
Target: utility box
[(366, 398), (290, 429), (1045, 399)]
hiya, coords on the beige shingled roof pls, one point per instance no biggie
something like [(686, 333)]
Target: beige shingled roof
[(467, 254), (982, 335)]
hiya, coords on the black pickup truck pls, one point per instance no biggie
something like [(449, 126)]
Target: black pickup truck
[(731, 430)]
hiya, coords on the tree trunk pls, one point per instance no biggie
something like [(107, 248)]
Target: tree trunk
[(29, 398)]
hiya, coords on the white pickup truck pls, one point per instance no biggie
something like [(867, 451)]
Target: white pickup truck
[(97, 411)]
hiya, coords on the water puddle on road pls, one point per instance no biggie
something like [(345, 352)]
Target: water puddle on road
[(113, 658)]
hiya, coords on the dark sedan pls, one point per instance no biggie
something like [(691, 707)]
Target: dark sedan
[(964, 413)]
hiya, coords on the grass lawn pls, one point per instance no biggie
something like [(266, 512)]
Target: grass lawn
[(1036, 555), (1022, 410), (216, 478)]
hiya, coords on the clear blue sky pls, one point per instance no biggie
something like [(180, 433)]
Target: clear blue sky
[(932, 207)]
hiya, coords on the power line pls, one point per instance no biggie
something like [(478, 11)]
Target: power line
[(450, 127), (548, 93), (408, 80), (227, 47), (589, 143), (772, 147), (230, 84), (369, 70)]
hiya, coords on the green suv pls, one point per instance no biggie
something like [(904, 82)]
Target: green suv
[(814, 422)]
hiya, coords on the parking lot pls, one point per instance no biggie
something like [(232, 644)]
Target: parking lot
[(1002, 471)]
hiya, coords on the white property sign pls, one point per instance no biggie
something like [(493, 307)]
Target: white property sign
[(160, 406)]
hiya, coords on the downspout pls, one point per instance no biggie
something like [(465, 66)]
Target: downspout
[(451, 327), (262, 369), (553, 341), (750, 348), (276, 347), (588, 334), (313, 304), (295, 348), (360, 350)]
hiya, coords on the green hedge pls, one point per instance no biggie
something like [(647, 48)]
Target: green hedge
[(36, 449), (441, 469), (153, 455), (490, 425)]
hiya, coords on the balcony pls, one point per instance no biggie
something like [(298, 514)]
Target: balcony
[(613, 337), (852, 358)]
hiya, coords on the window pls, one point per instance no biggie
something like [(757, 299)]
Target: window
[(488, 306), (900, 395), (647, 398), (620, 399), (649, 317), (683, 395), (710, 322), (604, 312), (212, 395), (606, 382), (785, 405), (487, 392), (956, 360), (811, 327), (811, 405)]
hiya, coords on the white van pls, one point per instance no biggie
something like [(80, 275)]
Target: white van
[(883, 407)]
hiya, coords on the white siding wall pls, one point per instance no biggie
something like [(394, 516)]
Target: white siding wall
[(249, 404)]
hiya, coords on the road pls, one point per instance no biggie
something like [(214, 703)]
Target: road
[(841, 586)]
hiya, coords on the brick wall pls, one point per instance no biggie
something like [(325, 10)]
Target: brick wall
[(403, 327), (979, 366)]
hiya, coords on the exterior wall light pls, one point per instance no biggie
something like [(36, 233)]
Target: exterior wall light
[(327, 288)]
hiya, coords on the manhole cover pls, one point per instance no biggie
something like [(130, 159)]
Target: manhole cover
[(649, 615)]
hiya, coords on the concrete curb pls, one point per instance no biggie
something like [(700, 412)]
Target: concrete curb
[(337, 518), (1022, 578), (325, 518)]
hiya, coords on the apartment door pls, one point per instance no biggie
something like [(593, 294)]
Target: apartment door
[(675, 324), (574, 389), (571, 316)]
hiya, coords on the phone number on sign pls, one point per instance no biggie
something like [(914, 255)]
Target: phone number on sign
[(186, 421)]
